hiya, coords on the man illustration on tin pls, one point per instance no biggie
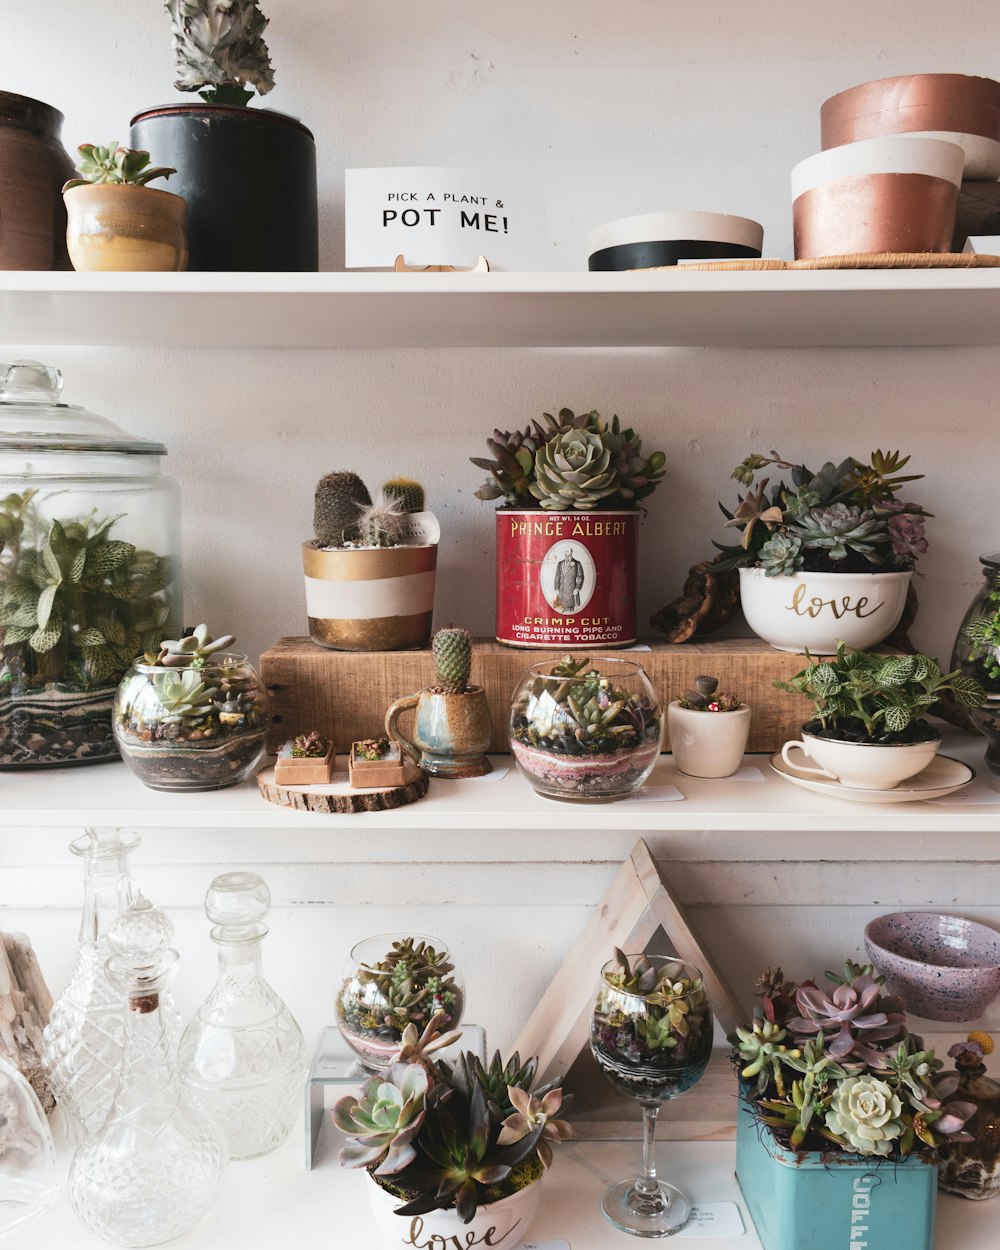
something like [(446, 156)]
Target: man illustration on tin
[(569, 579)]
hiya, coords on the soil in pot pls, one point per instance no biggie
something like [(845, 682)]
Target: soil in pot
[(50, 726), (170, 763), (916, 731)]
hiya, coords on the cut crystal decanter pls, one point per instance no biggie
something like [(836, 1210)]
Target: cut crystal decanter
[(242, 1057), (155, 1168), (83, 1039)]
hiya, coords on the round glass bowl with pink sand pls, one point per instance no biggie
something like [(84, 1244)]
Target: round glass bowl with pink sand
[(390, 981), (586, 730)]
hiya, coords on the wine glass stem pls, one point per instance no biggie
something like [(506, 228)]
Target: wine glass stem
[(647, 1184)]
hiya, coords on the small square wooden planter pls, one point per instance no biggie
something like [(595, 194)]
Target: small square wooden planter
[(290, 770), (369, 774)]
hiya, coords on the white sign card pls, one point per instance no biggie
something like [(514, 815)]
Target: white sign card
[(443, 217)]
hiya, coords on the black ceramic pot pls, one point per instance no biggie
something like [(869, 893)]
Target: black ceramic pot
[(249, 178)]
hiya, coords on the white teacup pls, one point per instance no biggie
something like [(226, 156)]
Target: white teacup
[(861, 765)]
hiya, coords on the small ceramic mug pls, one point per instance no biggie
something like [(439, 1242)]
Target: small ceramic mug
[(861, 765)]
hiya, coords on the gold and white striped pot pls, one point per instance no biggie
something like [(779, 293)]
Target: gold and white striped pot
[(370, 599)]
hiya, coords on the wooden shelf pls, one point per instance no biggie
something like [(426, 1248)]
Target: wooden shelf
[(873, 308)]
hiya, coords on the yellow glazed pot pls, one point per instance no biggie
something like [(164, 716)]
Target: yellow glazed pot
[(114, 228)]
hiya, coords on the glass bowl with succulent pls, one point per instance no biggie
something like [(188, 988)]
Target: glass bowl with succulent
[(651, 1035), (708, 730), (977, 655), (572, 487), (826, 556), (455, 1149), (830, 1074), (192, 715), (391, 981), (586, 730), (868, 730)]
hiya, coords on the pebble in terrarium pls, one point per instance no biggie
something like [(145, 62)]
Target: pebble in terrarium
[(391, 981), (156, 1166), (242, 1057)]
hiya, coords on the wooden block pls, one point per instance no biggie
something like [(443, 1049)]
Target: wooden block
[(346, 693)]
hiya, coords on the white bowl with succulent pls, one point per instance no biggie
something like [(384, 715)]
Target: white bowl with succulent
[(708, 730), (828, 556)]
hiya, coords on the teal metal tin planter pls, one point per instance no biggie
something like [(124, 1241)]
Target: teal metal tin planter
[(829, 1200)]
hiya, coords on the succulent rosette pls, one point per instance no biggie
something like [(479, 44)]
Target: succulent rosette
[(839, 1065)]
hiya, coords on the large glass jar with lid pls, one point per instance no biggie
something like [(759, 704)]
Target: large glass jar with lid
[(977, 653), (89, 569)]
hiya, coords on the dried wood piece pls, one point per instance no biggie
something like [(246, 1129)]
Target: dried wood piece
[(709, 599), (336, 801), (25, 1003)]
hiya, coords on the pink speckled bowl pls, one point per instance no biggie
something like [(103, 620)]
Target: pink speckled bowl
[(942, 967)]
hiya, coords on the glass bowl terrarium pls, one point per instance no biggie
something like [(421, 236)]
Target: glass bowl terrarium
[(391, 981), (586, 730), (193, 716), (89, 553), (977, 654)]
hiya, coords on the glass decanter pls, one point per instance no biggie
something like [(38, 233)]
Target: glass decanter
[(242, 1057), (28, 1181), (83, 1039), (156, 1167)]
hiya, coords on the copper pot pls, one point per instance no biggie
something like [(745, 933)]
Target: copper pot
[(928, 104), (35, 166)]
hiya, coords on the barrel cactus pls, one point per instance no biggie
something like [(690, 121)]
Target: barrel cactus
[(574, 471), (381, 524), (340, 496), (452, 659), (407, 493)]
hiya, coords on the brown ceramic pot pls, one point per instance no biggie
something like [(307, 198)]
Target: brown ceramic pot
[(452, 733), (115, 228), (34, 166)]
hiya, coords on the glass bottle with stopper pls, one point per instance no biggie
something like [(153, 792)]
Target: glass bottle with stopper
[(83, 1039), (242, 1057), (156, 1167)]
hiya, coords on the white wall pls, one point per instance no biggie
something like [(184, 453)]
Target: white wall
[(618, 108)]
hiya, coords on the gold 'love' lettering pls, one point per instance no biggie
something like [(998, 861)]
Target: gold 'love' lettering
[(463, 1241), (839, 607)]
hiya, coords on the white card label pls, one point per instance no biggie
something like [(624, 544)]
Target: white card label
[(746, 773), (976, 795), (654, 794), (439, 216), (714, 1219)]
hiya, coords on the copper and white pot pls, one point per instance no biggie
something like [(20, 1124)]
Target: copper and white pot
[(815, 611), (956, 107), (370, 598), (897, 194)]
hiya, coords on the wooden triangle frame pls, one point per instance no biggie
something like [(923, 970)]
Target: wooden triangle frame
[(638, 903)]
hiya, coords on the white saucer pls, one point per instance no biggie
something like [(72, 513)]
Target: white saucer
[(942, 776)]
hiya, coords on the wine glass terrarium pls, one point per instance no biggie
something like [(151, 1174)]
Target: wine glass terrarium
[(651, 1034), (391, 981)]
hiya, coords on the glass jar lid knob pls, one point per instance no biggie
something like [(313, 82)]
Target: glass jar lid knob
[(30, 382)]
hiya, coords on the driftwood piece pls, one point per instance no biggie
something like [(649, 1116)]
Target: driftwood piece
[(709, 599), (25, 1003), (336, 800)]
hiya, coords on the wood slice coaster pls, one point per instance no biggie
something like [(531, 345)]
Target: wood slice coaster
[(900, 260), (339, 798)]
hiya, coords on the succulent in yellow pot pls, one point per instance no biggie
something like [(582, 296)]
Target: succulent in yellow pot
[(118, 223)]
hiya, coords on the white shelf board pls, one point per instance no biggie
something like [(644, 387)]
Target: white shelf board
[(274, 1201), (864, 308), (723, 811)]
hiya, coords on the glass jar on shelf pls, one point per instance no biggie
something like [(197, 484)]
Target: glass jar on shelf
[(89, 563), (977, 653), (242, 1057)]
